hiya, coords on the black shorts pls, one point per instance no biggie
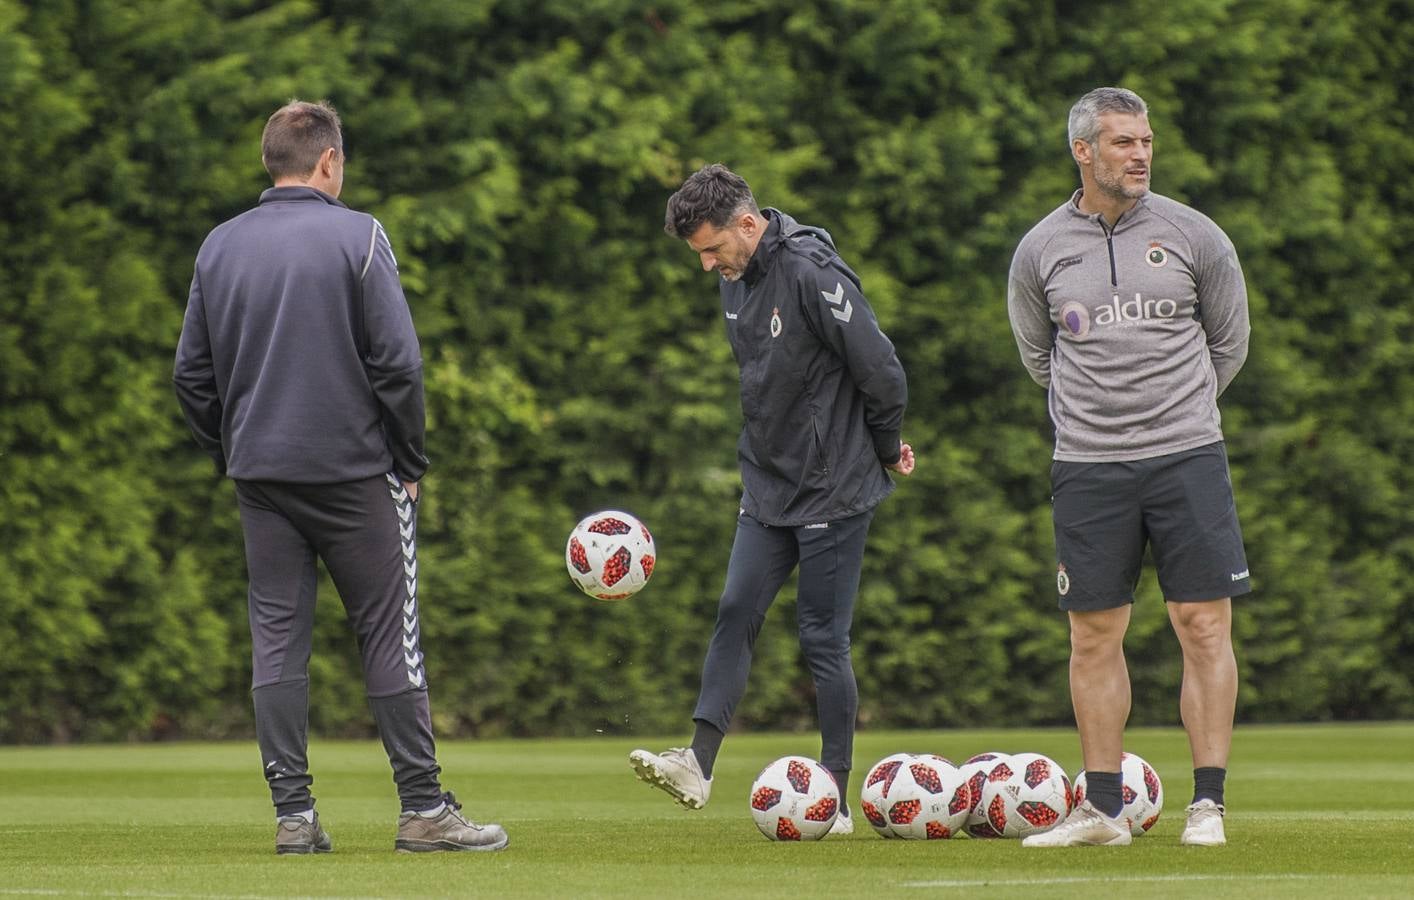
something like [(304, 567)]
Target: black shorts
[(1180, 505)]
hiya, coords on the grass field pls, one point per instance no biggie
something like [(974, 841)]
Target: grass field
[(1315, 811)]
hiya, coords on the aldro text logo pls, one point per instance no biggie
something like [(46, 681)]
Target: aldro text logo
[(1078, 319)]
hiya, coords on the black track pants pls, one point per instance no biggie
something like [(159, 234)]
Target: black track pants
[(364, 531), (830, 557)]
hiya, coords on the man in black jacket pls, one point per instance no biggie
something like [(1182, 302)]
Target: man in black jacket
[(299, 373), (823, 396)]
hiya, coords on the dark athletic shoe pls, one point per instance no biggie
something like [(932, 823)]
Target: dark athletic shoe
[(448, 830), (294, 835)]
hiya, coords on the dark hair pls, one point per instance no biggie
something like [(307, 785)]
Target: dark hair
[(712, 194), (296, 135)]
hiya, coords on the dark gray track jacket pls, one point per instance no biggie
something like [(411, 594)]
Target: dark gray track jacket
[(822, 390), (298, 361)]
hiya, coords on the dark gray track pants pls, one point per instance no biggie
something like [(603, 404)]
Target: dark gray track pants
[(364, 531), (830, 557)]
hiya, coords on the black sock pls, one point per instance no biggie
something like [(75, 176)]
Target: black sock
[(706, 741), (1104, 791), (842, 779), (1208, 784)]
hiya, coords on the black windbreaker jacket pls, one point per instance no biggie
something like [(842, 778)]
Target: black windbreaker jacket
[(822, 390)]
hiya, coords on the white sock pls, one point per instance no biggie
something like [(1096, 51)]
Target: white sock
[(432, 813), (307, 815)]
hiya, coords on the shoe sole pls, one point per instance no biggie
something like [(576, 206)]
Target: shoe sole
[(301, 850), (649, 774), (410, 846), (1116, 841)]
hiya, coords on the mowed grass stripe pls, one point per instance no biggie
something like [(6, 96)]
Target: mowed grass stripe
[(193, 821)]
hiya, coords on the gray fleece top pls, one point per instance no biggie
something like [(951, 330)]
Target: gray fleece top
[(1135, 331), (298, 361)]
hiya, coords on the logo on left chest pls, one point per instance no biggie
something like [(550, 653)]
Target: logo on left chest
[(776, 322), (1156, 255)]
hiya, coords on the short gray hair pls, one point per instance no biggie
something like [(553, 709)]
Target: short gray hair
[(1085, 114)]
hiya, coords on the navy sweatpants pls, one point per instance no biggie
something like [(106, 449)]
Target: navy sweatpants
[(364, 531), (830, 556)]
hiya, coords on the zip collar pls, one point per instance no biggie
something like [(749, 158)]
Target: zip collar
[(1126, 218), (296, 193), (765, 249)]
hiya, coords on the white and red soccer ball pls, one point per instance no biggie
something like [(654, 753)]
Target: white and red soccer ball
[(610, 555), (1142, 791), (874, 792), (795, 799), (927, 799), (1025, 794), (975, 771)]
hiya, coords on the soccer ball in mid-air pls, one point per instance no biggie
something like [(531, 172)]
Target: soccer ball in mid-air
[(1026, 794), (874, 793), (975, 771), (795, 799), (610, 555), (928, 799), (1143, 793)]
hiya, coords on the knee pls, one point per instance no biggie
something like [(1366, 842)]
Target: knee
[(1096, 636), (1203, 628), (821, 644)]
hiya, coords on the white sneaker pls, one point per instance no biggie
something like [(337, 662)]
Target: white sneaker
[(675, 771), (1205, 825), (1084, 825), (843, 824)]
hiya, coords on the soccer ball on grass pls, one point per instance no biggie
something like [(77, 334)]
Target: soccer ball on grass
[(1143, 793), (975, 771), (874, 792), (1026, 794), (928, 799), (795, 799)]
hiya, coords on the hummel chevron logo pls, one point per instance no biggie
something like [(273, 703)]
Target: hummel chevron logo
[(415, 679), (837, 299), (409, 549), (412, 659), (409, 625), (410, 568), (406, 531), (409, 605), (409, 642), (404, 512)]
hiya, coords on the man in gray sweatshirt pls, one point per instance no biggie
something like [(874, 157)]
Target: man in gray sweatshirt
[(299, 373), (1131, 310)]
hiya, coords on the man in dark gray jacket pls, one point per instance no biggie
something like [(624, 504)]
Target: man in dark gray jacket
[(823, 397), (299, 373)]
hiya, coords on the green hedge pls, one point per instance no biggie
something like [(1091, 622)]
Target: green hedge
[(519, 155)]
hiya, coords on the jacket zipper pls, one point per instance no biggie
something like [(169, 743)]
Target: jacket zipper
[(1110, 242)]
